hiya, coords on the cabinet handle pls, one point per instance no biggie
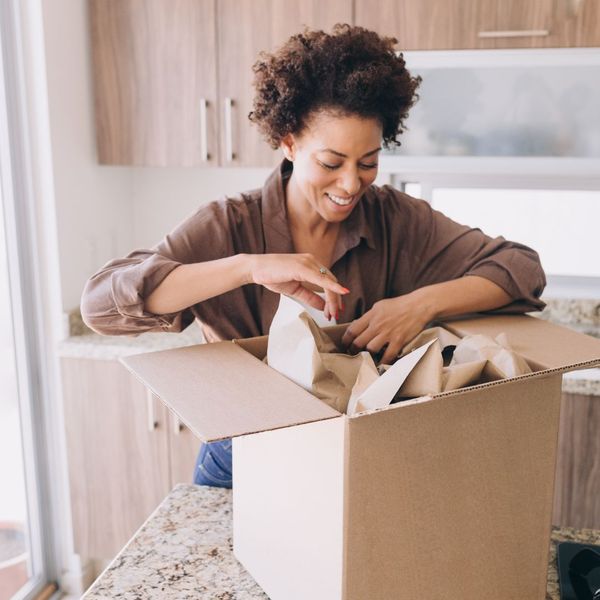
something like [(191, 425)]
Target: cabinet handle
[(514, 33), (203, 132), (177, 424), (228, 131), (152, 422)]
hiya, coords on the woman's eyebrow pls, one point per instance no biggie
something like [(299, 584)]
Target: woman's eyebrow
[(345, 156)]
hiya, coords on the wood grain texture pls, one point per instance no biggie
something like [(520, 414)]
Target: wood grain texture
[(153, 61), (516, 15), (118, 469), (455, 24), (245, 28), (429, 24), (578, 23), (183, 449), (577, 485)]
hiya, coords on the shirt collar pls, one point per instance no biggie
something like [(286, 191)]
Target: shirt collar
[(278, 238)]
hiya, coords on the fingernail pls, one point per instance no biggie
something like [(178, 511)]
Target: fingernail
[(346, 290)]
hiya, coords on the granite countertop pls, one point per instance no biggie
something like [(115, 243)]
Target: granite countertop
[(184, 550)]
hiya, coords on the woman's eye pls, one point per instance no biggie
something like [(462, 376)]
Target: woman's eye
[(330, 167), (362, 166)]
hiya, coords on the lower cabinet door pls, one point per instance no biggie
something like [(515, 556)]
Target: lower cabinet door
[(577, 482), (118, 453), (184, 446)]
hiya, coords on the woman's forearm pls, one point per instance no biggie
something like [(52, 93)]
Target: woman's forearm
[(189, 284), (459, 296)]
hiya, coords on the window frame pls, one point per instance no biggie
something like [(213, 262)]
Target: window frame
[(32, 256)]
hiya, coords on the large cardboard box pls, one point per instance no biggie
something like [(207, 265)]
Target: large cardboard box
[(441, 497)]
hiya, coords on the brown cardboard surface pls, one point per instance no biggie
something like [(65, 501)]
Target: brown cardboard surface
[(452, 498), (219, 390), (536, 340)]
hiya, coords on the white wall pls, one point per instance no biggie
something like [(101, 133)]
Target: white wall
[(161, 198), (93, 203)]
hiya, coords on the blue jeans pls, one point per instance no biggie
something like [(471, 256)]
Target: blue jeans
[(213, 465)]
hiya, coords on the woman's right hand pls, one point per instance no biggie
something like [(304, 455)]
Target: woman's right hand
[(293, 274)]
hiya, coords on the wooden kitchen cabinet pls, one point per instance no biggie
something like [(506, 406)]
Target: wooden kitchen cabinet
[(577, 485), (245, 28), (550, 23), (155, 82), (159, 98), (427, 24), (173, 78), (483, 24), (125, 452), (183, 450)]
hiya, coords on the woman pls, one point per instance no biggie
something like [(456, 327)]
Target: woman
[(382, 260)]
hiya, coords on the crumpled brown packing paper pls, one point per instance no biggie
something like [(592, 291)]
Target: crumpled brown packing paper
[(476, 358), (304, 353), (301, 351)]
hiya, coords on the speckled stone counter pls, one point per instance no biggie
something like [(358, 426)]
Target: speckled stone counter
[(184, 551), (583, 316), (109, 347), (580, 314)]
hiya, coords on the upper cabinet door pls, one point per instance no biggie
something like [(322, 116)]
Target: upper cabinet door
[(428, 24), (155, 82), (481, 24), (246, 27), (519, 24)]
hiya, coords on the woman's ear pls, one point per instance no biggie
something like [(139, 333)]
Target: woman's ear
[(288, 146)]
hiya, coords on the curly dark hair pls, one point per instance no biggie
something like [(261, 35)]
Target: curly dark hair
[(352, 71)]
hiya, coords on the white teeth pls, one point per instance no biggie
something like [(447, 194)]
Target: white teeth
[(340, 201)]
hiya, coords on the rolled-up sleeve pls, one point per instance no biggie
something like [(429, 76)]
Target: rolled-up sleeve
[(113, 299), (444, 249)]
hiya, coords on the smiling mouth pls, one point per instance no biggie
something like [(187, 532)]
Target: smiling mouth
[(339, 200)]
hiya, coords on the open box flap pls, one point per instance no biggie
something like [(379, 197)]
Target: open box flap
[(546, 344), (220, 391)]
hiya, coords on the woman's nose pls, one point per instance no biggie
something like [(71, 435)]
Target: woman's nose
[(350, 183)]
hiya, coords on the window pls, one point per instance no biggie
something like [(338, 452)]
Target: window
[(562, 225), (34, 542)]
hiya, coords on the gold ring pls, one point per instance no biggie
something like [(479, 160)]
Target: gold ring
[(323, 270)]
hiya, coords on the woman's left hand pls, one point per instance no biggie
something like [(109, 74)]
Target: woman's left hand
[(392, 322)]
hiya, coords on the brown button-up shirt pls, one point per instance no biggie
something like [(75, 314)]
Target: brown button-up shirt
[(391, 244)]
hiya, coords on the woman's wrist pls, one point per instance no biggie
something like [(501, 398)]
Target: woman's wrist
[(426, 302), (246, 264), (470, 293)]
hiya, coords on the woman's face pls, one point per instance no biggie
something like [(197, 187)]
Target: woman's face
[(335, 160)]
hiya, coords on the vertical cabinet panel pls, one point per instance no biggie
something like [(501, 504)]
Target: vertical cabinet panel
[(155, 81), (183, 448), (578, 23), (577, 484), (118, 463), (245, 28)]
